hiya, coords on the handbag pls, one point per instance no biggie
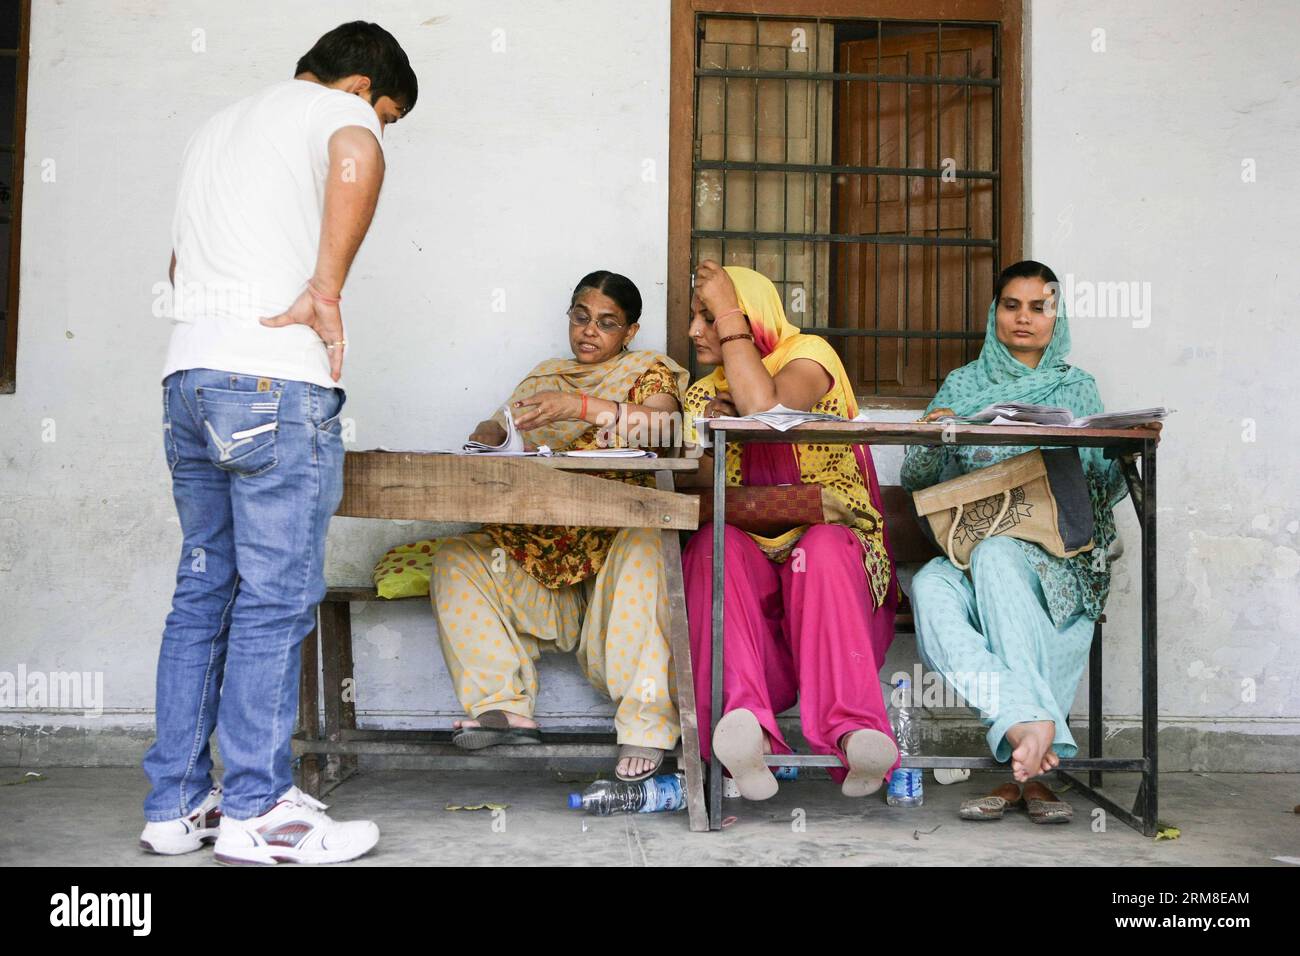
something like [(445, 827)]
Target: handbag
[(1039, 496), (767, 510)]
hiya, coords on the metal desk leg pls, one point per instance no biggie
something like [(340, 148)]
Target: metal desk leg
[(718, 674), (1146, 805), (1095, 735)]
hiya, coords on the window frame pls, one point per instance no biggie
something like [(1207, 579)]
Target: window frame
[(1012, 209), (9, 357)]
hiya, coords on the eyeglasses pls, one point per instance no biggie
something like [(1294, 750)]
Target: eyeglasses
[(580, 318)]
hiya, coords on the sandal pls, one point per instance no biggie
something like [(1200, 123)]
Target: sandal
[(1044, 806), (494, 729), (654, 755), (991, 807)]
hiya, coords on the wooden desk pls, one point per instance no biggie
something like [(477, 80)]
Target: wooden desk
[(1129, 443), (490, 489)]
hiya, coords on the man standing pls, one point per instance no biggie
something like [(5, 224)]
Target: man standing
[(276, 194)]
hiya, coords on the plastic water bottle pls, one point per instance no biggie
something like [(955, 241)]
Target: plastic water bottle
[(732, 792), (905, 784), (604, 797)]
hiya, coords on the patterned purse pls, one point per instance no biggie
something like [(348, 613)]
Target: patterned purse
[(1039, 496), (767, 510)]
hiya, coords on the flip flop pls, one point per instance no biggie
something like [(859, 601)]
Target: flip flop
[(738, 742), (494, 730), (653, 754), (870, 754), (1044, 806), (992, 806)]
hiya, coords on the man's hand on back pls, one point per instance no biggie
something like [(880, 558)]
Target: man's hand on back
[(323, 318)]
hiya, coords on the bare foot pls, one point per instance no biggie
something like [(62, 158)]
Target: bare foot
[(739, 742), (1051, 760), (633, 766), (869, 754), (1031, 740)]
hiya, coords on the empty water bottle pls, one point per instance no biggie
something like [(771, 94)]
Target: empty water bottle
[(905, 784), (664, 792)]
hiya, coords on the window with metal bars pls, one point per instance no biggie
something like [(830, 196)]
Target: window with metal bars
[(858, 164)]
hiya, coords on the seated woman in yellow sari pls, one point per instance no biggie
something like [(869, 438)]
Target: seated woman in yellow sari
[(502, 594)]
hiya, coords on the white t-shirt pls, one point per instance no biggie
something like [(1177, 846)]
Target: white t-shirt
[(247, 230)]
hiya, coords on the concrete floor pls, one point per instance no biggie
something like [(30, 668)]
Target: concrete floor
[(91, 816)]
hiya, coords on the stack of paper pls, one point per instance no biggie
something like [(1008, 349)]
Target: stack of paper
[(609, 453), (1024, 413), (1139, 416)]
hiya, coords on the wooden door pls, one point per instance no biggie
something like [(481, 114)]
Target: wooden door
[(914, 287)]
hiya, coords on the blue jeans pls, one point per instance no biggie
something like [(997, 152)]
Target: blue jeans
[(257, 471)]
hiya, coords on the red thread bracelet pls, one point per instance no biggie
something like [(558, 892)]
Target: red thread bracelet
[(725, 315), (583, 416)]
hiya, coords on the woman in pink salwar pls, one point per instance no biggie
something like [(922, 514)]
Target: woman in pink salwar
[(809, 613)]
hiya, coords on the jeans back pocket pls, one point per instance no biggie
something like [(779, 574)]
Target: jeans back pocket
[(169, 440), (240, 428)]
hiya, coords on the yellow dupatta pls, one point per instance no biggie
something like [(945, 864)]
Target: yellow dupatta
[(834, 467), (779, 342)]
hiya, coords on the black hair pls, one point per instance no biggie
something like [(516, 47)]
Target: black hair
[(364, 49), (1025, 269), (619, 288)]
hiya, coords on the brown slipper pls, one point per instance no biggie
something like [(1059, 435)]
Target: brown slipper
[(494, 730), (654, 755), (1044, 806), (992, 806)]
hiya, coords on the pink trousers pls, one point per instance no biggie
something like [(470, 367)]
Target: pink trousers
[(804, 630)]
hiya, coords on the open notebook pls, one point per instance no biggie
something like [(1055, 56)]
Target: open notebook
[(513, 444)]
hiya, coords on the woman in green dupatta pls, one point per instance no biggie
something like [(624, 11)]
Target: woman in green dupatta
[(1012, 636)]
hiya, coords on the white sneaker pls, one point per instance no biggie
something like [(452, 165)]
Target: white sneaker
[(295, 830), (184, 834)]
